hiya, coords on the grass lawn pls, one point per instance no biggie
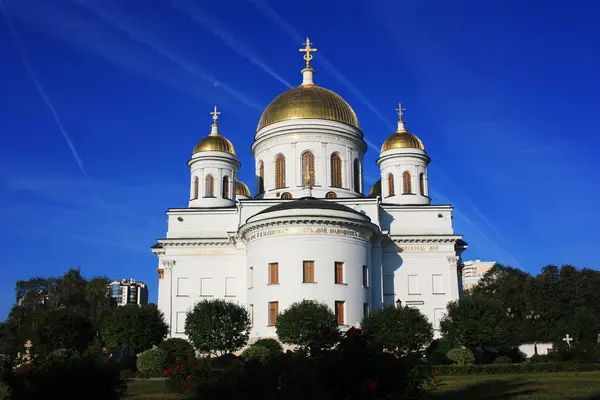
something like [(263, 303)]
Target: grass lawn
[(543, 386)]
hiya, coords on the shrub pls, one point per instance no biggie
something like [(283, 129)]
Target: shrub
[(258, 354), (271, 344), (498, 369), (308, 324), (135, 327), (461, 356), (438, 358), (540, 359), (178, 348), (64, 375), (503, 360), (218, 326), (150, 363)]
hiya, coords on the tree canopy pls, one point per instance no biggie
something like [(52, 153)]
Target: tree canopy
[(402, 330), (307, 323), (133, 326), (218, 326)]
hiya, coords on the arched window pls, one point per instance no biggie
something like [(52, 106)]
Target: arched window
[(209, 186), (391, 185), (357, 175), (261, 177), (225, 187), (279, 171), (331, 195), (286, 196), (308, 165), (406, 183), (336, 170), (196, 187), (422, 183)]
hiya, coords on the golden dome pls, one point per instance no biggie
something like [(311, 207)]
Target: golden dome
[(402, 140), (375, 189), (308, 101), (241, 189), (214, 143)]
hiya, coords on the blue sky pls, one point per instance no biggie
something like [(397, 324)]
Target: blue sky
[(99, 121)]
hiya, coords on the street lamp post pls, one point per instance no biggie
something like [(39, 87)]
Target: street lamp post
[(533, 317)]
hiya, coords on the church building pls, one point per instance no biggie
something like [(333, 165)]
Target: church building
[(309, 231)]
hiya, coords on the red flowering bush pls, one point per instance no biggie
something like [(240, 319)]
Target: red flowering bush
[(351, 370), (64, 376)]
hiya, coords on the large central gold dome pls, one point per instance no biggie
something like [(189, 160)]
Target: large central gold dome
[(308, 101)]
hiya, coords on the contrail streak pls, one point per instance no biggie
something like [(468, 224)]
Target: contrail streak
[(197, 15), (50, 106), (194, 69), (40, 88)]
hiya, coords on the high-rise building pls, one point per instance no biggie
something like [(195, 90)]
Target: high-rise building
[(128, 291), (473, 271)]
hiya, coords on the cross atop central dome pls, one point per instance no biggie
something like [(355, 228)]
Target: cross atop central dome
[(308, 101)]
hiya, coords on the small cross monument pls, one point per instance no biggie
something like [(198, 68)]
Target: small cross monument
[(28, 346), (568, 339)]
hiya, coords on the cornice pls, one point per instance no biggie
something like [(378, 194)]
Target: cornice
[(440, 239), (195, 242)]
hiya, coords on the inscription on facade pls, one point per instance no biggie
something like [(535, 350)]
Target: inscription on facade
[(418, 248), (326, 231), (216, 250)]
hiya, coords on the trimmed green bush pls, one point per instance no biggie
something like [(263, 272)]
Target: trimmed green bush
[(271, 344), (461, 356), (525, 368), (258, 354), (151, 363), (177, 348), (503, 360)]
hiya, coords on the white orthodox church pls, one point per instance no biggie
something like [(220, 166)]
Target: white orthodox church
[(309, 232)]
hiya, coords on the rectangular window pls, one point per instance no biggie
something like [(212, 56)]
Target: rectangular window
[(365, 309), (182, 287), (339, 272), (206, 287), (250, 277), (273, 312), (438, 314), (339, 312), (180, 322), (230, 287), (365, 276), (437, 283), (413, 284), (273, 273), (251, 312), (308, 272)]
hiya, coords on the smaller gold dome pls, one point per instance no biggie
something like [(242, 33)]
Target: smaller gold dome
[(375, 189), (241, 189), (402, 140), (214, 142)]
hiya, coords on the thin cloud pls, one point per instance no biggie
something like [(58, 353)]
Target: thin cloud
[(287, 28), (199, 16), (189, 67), (52, 109)]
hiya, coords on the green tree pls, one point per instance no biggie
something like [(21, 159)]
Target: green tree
[(475, 322), (308, 324), (217, 327), (402, 330), (133, 326)]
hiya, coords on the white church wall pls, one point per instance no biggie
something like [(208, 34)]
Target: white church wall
[(290, 252), (192, 223), (423, 280), (200, 276), (417, 220), (396, 162)]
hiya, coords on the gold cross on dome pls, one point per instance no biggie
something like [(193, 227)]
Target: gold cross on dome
[(307, 50), (400, 111), (215, 115)]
